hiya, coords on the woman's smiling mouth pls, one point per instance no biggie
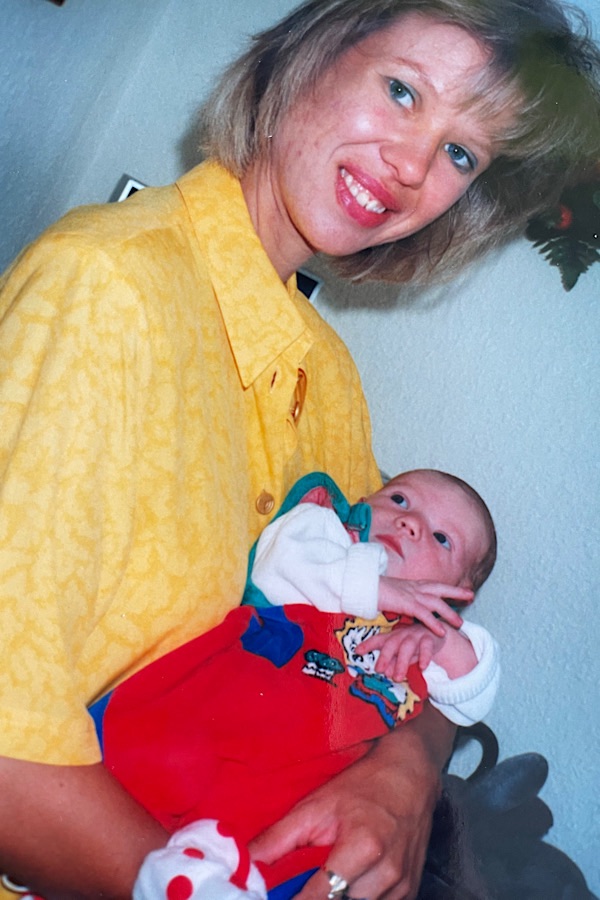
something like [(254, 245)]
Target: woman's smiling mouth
[(360, 193), (364, 199)]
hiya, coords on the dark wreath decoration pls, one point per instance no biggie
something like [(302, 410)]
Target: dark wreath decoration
[(569, 235), (488, 830)]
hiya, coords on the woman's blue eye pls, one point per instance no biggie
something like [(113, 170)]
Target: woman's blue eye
[(442, 539), (401, 93), (461, 158), (400, 499)]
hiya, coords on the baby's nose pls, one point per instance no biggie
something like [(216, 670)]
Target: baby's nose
[(410, 526)]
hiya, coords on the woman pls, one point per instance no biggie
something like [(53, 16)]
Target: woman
[(163, 385)]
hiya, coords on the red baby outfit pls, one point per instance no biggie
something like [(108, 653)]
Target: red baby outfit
[(236, 726), (218, 730)]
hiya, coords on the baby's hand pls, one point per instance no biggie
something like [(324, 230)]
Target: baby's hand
[(421, 600), (400, 648)]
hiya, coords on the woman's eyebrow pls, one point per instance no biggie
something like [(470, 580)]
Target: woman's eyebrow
[(415, 67)]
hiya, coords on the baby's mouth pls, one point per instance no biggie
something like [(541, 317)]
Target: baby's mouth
[(391, 543)]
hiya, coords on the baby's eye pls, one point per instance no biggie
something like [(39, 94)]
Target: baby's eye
[(401, 93), (400, 499), (442, 539)]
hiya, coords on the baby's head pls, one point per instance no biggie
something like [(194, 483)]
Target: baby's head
[(434, 527)]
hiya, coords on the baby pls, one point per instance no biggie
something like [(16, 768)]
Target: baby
[(346, 629), (431, 540)]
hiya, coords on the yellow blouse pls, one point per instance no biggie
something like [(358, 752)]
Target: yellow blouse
[(152, 377)]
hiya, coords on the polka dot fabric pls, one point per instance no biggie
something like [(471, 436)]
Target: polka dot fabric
[(203, 860)]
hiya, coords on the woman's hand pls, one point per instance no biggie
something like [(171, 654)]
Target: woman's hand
[(376, 815)]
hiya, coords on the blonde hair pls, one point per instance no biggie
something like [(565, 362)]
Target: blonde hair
[(544, 65)]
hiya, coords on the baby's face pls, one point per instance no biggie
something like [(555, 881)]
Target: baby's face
[(430, 528)]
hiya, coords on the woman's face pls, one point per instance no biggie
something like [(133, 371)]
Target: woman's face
[(385, 144)]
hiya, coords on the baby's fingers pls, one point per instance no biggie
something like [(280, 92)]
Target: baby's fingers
[(396, 656), (426, 649), (406, 654), (444, 596), (454, 594), (376, 642), (426, 617)]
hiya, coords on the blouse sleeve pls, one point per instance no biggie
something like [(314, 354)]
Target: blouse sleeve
[(66, 445)]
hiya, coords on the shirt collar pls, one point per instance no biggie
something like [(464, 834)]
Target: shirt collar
[(259, 311)]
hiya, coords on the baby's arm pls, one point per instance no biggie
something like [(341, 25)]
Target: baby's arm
[(307, 556), (461, 669), (455, 655), (468, 698)]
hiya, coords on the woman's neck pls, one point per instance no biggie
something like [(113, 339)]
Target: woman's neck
[(283, 244)]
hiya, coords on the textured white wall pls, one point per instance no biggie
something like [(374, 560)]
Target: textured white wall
[(62, 70), (90, 91), (495, 378)]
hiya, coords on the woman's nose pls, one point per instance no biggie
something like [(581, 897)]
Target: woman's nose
[(411, 159)]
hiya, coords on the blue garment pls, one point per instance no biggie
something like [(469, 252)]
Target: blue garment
[(289, 889)]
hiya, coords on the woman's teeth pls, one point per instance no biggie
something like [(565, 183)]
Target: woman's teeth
[(362, 196)]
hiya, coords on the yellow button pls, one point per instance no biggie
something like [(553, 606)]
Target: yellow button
[(265, 503), (299, 396)]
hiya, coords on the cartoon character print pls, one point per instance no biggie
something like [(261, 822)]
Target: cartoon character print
[(319, 665), (393, 700)]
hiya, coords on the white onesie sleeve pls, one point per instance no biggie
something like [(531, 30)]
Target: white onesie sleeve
[(467, 699), (307, 556)]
